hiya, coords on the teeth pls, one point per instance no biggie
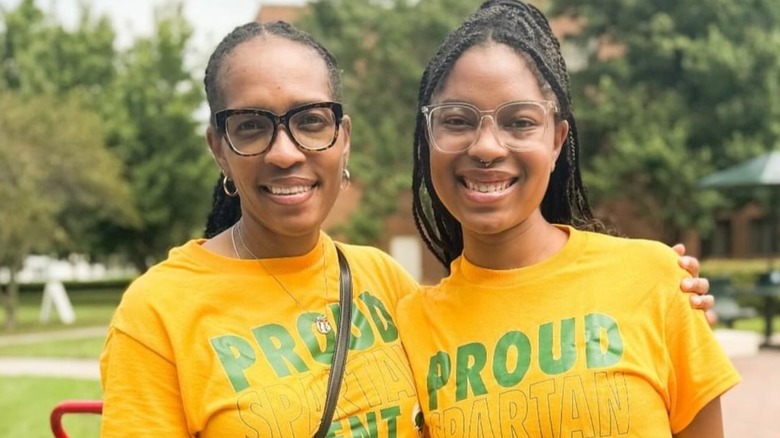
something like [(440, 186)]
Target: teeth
[(487, 187), (288, 190)]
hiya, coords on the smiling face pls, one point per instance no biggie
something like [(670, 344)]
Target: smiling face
[(285, 192), (505, 195)]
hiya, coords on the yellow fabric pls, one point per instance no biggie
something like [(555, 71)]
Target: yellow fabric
[(204, 345), (598, 340)]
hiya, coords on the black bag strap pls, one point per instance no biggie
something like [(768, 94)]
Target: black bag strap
[(341, 347)]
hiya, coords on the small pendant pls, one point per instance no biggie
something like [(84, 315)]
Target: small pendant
[(322, 324)]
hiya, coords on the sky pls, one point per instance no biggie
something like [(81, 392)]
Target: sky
[(211, 19)]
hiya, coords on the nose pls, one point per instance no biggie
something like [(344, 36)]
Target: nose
[(283, 152), (487, 146)]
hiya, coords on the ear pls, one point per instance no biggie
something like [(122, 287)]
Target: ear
[(561, 135), (346, 133), (214, 140)]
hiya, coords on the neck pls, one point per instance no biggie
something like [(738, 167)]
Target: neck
[(261, 243), (524, 245)]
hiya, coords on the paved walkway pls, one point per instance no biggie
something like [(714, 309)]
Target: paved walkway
[(31, 338), (51, 367), (69, 368), (751, 409)]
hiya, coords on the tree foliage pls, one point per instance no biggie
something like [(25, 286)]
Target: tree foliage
[(383, 46), (146, 99), (690, 87), (53, 162), (151, 111), (99, 149)]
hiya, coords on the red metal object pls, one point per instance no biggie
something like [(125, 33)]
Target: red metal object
[(72, 407)]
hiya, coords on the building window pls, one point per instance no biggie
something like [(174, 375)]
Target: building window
[(718, 244), (762, 242)]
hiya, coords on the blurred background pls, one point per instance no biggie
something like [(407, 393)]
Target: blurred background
[(104, 166)]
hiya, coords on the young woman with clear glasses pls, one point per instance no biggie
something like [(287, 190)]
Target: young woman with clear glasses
[(546, 326)]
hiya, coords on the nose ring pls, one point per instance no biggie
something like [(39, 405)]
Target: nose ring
[(485, 163)]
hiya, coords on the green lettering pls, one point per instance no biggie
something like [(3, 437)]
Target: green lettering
[(335, 427), (359, 430), (382, 318), (601, 352), (391, 415), (363, 338), (575, 412), (501, 358), (613, 404), (235, 354), (512, 412), (540, 394), (253, 413), (310, 337), (479, 421), (267, 337), (439, 368), (547, 361), (471, 359)]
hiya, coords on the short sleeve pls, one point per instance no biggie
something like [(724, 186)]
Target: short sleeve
[(700, 370)]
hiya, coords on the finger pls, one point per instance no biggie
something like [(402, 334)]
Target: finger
[(690, 264), (698, 285), (679, 248), (703, 302), (712, 317), (706, 302)]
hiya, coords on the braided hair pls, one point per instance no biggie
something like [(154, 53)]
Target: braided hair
[(526, 30), (226, 210)]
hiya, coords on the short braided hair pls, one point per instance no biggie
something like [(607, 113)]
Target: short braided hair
[(226, 210), (527, 31)]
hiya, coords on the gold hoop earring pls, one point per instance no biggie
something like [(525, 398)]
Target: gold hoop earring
[(346, 178), (225, 188)]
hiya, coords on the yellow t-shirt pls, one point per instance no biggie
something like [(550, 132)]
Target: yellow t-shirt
[(596, 341), (211, 346)]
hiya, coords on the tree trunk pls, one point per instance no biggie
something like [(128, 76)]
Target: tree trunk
[(11, 301)]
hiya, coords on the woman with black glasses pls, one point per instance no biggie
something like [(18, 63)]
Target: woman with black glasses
[(239, 334)]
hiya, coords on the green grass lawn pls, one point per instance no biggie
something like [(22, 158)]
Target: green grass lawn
[(26, 403), (754, 324), (84, 348), (92, 308)]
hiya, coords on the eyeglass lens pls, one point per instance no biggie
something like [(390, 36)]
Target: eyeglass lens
[(252, 133), (518, 126)]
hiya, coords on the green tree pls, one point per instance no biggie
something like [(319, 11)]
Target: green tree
[(53, 161), (383, 47), (57, 178), (672, 91), (151, 109), (147, 99)]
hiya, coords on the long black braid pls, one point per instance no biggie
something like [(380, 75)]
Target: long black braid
[(526, 30), (226, 210)]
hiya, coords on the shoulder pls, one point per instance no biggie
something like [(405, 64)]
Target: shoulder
[(161, 286), (638, 254), (377, 263)]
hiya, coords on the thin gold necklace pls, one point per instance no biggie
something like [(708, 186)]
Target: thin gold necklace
[(320, 322)]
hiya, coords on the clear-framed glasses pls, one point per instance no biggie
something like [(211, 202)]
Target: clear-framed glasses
[(312, 127), (518, 126)]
